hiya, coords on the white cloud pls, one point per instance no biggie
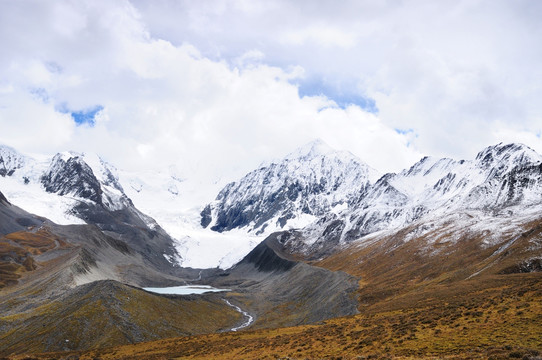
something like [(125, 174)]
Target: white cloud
[(448, 70), (321, 35), (210, 85), (28, 123)]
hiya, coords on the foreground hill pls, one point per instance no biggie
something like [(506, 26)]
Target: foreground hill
[(52, 296)]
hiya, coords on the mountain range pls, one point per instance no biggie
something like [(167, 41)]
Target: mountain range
[(318, 235)]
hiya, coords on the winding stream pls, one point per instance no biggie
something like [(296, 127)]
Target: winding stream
[(250, 318), (201, 289)]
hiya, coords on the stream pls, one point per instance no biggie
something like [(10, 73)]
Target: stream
[(201, 289), (250, 318)]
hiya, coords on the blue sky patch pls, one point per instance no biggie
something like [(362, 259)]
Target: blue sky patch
[(410, 134), (342, 95), (86, 116)]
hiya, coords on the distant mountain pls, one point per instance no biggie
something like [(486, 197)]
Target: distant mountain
[(10, 161), (502, 179), (73, 188), (336, 199), (306, 184)]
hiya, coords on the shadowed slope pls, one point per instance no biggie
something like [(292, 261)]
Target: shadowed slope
[(13, 218)]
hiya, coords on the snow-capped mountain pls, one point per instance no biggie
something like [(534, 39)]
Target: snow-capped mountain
[(504, 179), (10, 161), (71, 176), (73, 188), (87, 177), (21, 182), (306, 184), (331, 195)]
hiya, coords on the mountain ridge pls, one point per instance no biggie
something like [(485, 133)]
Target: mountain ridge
[(308, 182)]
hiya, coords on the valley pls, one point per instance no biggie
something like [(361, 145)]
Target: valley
[(441, 260)]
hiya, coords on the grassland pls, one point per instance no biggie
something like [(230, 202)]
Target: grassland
[(465, 301), (498, 318)]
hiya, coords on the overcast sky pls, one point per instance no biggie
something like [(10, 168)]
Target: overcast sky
[(217, 87)]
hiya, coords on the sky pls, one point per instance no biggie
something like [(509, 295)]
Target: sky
[(217, 87)]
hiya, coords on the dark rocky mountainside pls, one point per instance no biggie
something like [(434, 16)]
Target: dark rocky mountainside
[(74, 177)]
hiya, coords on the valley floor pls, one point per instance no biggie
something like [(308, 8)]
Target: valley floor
[(499, 317)]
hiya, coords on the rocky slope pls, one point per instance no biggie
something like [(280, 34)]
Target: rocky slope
[(469, 287), (282, 291), (14, 219), (76, 287)]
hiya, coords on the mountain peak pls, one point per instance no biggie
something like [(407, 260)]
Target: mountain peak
[(307, 183), (10, 160), (312, 149), (67, 155), (513, 154)]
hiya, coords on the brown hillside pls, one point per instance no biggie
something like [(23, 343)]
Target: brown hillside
[(421, 297)]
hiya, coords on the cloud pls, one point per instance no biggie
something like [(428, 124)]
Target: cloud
[(215, 88), (321, 35), (30, 124), (448, 69)]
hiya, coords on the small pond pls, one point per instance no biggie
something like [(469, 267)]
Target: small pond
[(184, 289)]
